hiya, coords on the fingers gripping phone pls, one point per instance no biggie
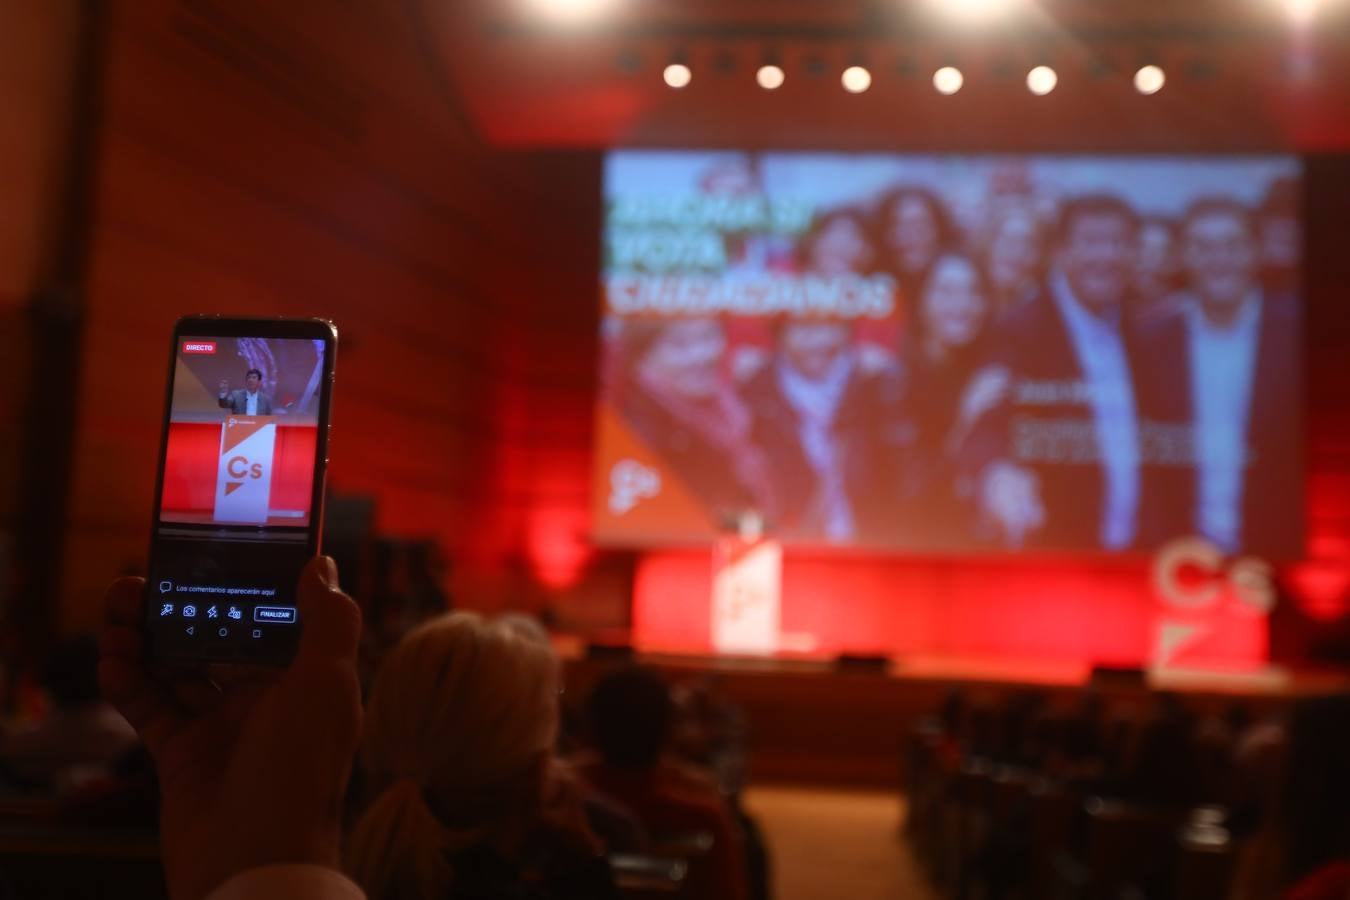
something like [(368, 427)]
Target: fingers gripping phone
[(240, 485)]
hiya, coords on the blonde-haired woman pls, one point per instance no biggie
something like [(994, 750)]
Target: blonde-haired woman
[(457, 753)]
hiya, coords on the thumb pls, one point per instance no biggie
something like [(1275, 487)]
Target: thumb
[(330, 620)]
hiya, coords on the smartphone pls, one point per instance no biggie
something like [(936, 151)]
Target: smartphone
[(239, 491)]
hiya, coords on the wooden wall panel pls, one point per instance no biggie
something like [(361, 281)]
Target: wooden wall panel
[(37, 73), (38, 44), (283, 159)]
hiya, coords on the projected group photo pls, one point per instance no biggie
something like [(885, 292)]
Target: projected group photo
[(951, 354)]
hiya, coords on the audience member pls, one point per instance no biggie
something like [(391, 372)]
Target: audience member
[(458, 759), (1311, 823), (1163, 770), (710, 731), (630, 713), (252, 771), (617, 828), (1082, 739), (81, 738), (403, 590)]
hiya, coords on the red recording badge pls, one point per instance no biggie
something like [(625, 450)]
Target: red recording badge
[(199, 346)]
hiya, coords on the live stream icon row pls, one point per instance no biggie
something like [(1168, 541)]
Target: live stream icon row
[(285, 615)]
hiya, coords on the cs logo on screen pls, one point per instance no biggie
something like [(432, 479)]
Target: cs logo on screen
[(630, 482), (239, 467)]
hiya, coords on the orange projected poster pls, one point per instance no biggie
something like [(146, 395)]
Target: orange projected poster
[(951, 354), (637, 491)]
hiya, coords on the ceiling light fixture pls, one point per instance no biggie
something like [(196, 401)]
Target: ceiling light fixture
[(571, 12), (1042, 80), (1149, 79), (948, 80), (770, 77), (677, 75), (856, 79)]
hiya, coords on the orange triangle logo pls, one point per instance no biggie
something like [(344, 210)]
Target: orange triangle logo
[(240, 428), (636, 495), (232, 486)]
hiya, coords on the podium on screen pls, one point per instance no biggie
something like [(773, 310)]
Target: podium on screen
[(244, 474)]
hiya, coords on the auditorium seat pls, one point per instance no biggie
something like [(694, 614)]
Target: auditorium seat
[(1129, 848), (693, 849), (640, 877), (974, 792), (923, 783), (1205, 862), (38, 862), (1004, 857), (1053, 808)]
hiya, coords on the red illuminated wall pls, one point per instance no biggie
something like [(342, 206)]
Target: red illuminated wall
[(254, 159)]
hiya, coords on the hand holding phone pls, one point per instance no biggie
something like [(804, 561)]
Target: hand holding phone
[(251, 772), (239, 494)]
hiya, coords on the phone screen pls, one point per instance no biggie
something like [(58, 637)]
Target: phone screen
[(240, 489)]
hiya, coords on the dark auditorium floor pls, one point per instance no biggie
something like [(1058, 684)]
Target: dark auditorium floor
[(830, 843)]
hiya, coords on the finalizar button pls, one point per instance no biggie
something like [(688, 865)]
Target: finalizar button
[(274, 614)]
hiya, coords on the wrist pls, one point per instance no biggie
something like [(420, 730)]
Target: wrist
[(301, 880), (226, 856), (288, 847)]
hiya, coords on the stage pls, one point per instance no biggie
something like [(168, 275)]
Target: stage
[(820, 721)]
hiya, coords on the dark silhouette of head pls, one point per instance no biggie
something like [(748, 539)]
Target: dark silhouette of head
[(629, 713), (71, 674), (1316, 791)]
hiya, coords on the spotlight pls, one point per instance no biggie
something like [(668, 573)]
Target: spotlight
[(1042, 80), (571, 11), (770, 77), (971, 10), (1149, 79), (677, 75), (856, 79), (1301, 12), (948, 80)]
